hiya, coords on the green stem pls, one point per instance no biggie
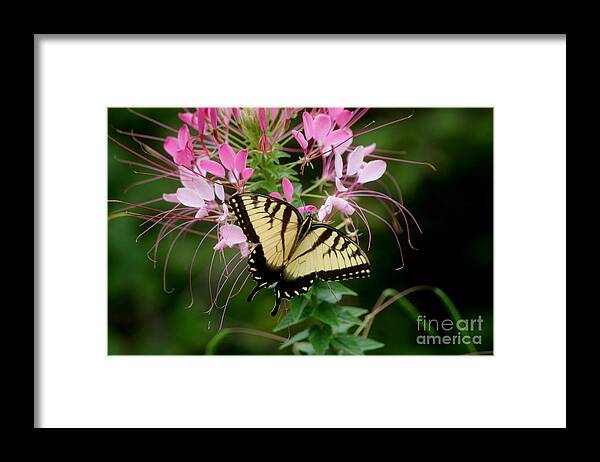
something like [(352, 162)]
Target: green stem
[(115, 215), (315, 196), (319, 183), (211, 346)]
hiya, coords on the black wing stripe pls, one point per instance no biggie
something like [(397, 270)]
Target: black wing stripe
[(267, 205), (274, 212), (287, 215), (242, 215), (320, 240), (335, 243)]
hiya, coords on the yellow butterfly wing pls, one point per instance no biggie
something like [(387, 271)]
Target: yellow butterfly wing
[(328, 254), (268, 221), (291, 252)]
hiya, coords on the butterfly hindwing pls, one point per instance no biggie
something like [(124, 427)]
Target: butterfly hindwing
[(328, 254)]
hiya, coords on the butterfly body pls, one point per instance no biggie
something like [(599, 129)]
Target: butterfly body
[(293, 251)]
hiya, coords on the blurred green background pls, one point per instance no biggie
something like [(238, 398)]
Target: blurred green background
[(453, 205)]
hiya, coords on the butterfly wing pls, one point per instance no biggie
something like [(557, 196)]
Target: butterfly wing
[(325, 253), (288, 259), (270, 222)]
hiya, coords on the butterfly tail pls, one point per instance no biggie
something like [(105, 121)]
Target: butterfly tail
[(254, 291), (277, 302)]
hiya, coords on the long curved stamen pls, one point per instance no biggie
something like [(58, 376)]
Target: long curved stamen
[(162, 167), (165, 214), (150, 119), (401, 210), (390, 228), (192, 264), (223, 282), (168, 256), (366, 223), (229, 296), (139, 135)]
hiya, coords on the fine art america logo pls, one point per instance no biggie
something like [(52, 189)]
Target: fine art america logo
[(448, 331)]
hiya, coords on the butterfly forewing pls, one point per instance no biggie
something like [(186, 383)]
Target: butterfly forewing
[(270, 222)]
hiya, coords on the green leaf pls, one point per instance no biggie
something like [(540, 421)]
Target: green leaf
[(264, 185), (353, 345), (367, 344), (325, 312), (280, 154), (331, 292), (320, 336), (298, 311), (346, 317), (354, 311), (345, 345), (341, 329), (302, 335), (304, 347)]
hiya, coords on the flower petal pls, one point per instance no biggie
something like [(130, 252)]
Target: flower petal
[(340, 139), (321, 127), (355, 160), (183, 157), (190, 197), (325, 209), (240, 160), (247, 173), (201, 213), (288, 189), (201, 120), (307, 209), (225, 214), (262, 119), (227, 156), (340, 186), (171, 145), (300, 139), (307, 121), (197, 166), (369, 149), (334, 111), (172, 197), (372, 171), (186, 176), (203, 188), (339, 165), (183, 136), (342, 205), (244, 250), (213, 167), (212, 114), (187, 117), (219, 191), (342, 117), (276, 195), (232, 235)]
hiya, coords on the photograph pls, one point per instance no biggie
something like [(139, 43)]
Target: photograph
[(300, 230), (254, 231)]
